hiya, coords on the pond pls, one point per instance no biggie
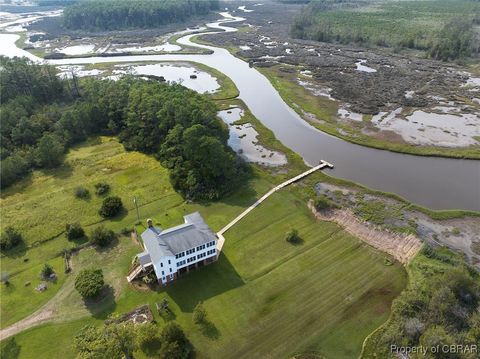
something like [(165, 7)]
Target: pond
[(243, 140)]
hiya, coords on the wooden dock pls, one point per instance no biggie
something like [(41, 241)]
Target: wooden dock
[(221, 238)]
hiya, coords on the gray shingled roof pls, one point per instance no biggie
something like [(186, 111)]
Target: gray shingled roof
[(144, 258), (193, 233)]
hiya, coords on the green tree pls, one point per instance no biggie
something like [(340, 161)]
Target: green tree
[(89, 283), (10, 349), (111, 206), (292, 236), (174, 342), (10, 238), (49, 152), (74, 231), (102, 236), (121, 339), (148, 336), (46, 271), (199, 314)]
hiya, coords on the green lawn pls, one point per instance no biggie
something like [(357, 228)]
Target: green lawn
[(265, 297)]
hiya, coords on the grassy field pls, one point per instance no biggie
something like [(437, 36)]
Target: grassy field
[(325, 110), (264, 296), (258, 295)]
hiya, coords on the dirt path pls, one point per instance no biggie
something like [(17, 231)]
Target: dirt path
[(401, 247), (44, 314)]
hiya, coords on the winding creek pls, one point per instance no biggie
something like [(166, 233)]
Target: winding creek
[(438, 183)]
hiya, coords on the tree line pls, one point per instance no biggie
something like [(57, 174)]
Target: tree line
[(124, 14), (42, 116), (444, 30)]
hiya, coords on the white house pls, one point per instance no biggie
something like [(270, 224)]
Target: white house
[(176, 250)]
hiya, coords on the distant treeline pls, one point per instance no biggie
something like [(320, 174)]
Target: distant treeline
[(444, 29), (124, 14), (42, 116)]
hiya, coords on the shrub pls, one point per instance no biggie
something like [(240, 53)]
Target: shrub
[(199, 314), (10, 238), (102, 236), (111, 206), (292, 236), (174, 342), (322, 202), (89, 282), (82, 192), (172, 332), (147, 335), (74, 231), (102, 188), (46, 270)]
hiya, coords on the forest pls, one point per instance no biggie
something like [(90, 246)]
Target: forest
[(442, 29), (124, 14), (42, 116)]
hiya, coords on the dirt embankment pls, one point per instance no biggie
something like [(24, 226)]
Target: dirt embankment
[(401, 247)]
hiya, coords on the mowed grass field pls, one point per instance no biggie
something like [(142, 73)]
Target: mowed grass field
[(40, 206), (264, 297)]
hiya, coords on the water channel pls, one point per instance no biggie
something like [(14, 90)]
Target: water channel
[(438, 183)]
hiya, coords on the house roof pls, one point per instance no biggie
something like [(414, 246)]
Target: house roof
[(193, 233), (144, 258)]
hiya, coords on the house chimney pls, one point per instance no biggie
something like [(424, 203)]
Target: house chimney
[(149, 223)]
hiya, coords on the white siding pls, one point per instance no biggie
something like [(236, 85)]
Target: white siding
[(165, 267)]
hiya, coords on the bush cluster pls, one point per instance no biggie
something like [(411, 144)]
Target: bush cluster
[(102, 236), (74, 231), (111, 206), (102, 188), (10, 238), (82, 193)]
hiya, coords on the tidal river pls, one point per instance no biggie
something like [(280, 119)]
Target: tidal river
[(438, 183)]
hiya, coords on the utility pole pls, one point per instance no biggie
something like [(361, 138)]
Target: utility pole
[(136, 207)]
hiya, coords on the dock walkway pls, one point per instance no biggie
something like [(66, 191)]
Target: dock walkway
[(221, 238)]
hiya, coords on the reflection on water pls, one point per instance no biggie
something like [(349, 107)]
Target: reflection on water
[(202, 83), (243, 140)]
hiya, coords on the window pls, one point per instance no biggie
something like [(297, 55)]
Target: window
[(190, 251), (211, 251), (169, 262), (180, 255), (161, 265), (191, 259), (163, 273), (199, 248), (181, 263), (210, 244), (170, 270), (201, 255)]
